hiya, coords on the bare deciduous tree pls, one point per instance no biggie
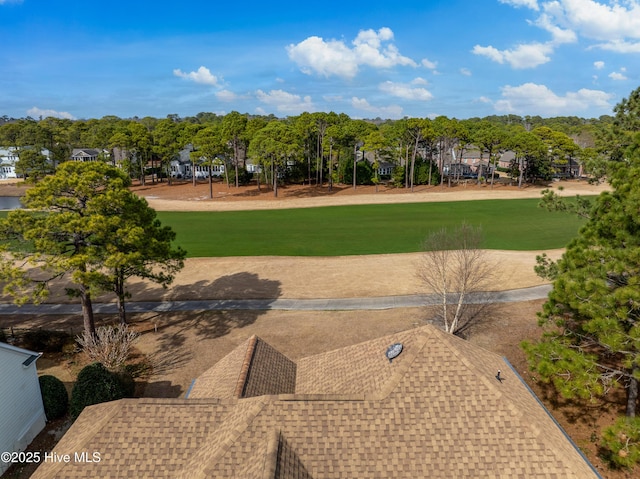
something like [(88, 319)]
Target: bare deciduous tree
[(455, 269), (110, 345)]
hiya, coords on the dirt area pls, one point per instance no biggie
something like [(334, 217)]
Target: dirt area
[(184, 196), (180, 346)]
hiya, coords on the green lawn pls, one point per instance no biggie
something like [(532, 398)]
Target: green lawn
[(366, 229)]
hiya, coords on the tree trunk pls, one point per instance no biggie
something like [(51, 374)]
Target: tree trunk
[(413, 161), (87, 311), (493, 171), (521, 173), (275, 181), (632, 392), (331, 165), (226, 174), (122, 313), (406, 167), (237, 180), (211, 182), (120, 295)]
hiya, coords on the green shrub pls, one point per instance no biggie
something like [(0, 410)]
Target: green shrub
[(95, 384), (3, 336), (127, 382), (42, 340), (54, 397), (621, 442)]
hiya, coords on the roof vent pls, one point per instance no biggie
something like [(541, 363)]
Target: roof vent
[(393, 351)]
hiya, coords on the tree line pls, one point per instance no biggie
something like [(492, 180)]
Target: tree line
[(591, 342), (317, 148)]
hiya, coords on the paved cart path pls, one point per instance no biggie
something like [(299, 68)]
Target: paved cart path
[(327, 304)]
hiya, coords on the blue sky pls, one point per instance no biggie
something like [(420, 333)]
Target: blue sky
[(459, 58)]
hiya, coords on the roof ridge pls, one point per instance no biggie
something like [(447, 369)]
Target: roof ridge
[(410, 355), (92, 425), (271, 454), (204, 458), (243, 375), (449, 343)]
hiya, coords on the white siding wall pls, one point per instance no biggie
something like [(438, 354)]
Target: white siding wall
[(21, 411)]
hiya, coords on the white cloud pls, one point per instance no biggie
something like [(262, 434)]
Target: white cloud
[(334, 57), (618, 76), (226, 95), (429, 64), (325, 58), (419, 81), (532, 4), (406, 91), (36, 112), (523, 56), (286, 102), (465, 71), (599, 65), (615, 24), (611, 21), (203, 75), (391, 111), (620, 46), (534, 99), (560, 35), (5, 2)]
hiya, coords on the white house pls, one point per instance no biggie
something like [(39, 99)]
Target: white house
[(22, 414), (8, 159), (182, 166), (252, 167)]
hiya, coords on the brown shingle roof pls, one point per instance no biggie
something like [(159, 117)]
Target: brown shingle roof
[(437, 411), (254, 368)]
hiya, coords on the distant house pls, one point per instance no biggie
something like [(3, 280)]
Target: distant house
[(8, 159), (10, 156), (182, 166), (252, 167), (478, 162), (416, 404), (22, 414), (88, 154), (385, 168), (459, 170)]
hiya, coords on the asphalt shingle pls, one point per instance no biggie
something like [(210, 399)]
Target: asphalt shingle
[(436, 411)]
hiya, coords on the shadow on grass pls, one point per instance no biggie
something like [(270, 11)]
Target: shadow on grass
[(175, 333), (234, 286)]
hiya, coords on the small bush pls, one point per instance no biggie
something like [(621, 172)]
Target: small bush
[(45, 341), (54, 397), (3, 336), (110, 346), (127, 382), (95, 384), (622, 442)]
